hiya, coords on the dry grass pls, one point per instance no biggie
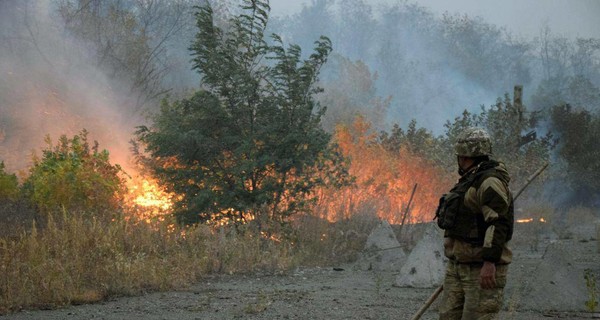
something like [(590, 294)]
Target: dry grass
[(321, 242), (16, 217), (75, 260), (581, 215)]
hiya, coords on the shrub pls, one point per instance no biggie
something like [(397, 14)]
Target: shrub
[(16, 213), (9, 185), (75, 176)]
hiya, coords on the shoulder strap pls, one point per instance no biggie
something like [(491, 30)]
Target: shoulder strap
[(488, 169)]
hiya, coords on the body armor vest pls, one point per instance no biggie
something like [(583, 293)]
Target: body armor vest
[(458, 220)]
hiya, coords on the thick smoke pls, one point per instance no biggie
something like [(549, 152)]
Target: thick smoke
[(54, 83), (410, 51)]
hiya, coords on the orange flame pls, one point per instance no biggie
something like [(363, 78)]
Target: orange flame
[(528, 220), (147, 199), (384, 181), (148, 194)]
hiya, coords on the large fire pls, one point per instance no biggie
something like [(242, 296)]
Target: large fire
[(147, 199), (384, 181), (149, 194), (384, 184)]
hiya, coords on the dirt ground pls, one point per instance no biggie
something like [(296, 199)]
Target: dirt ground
[(319, 293)]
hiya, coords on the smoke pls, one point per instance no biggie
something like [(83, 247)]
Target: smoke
[(433, 68), (51, 84)]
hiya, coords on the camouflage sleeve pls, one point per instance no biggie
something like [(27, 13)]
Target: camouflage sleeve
[(494, 198)]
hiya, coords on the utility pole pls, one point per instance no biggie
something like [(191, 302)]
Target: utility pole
[(518, 101)]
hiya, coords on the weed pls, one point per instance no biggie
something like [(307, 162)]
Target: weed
[(590, 283), (378, 283), (75, 258), (261, 304)]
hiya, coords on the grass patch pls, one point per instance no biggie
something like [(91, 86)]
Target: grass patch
[(76, 259)]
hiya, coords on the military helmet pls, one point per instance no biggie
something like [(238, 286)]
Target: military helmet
[(473, 142)]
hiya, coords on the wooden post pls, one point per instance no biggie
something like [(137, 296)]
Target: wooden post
[(598, 234), (407, 210), (431, 299), (518, 101)]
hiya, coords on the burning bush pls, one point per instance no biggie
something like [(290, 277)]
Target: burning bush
[(251, 136), (384, 180), (74, 175)]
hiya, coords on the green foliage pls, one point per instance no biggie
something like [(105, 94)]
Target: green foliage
[(418, 141), (9, 185), (251, 135), (590, 283), (74, 175), (578, 131), (16, 215)]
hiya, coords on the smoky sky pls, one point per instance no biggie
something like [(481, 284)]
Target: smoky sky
[(525, 18), (433, 85)]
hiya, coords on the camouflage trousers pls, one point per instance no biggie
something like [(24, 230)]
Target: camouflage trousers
[(464, 299)]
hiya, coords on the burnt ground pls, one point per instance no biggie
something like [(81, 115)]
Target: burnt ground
[(342, 293)]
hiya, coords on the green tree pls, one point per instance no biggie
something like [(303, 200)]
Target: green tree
[(9, 185), (75, 176), (579, 147), (250, 138), (419, 141)]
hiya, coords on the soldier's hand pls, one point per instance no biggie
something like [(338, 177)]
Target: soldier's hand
[(487, 276)]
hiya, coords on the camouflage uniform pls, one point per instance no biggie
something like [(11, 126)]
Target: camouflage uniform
[(482, 228)]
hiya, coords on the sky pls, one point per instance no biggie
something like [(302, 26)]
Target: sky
[(523, 18)]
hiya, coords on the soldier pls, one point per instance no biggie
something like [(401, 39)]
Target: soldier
[(477, 216)]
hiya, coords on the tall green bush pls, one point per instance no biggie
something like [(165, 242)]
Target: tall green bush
[(75, 176)]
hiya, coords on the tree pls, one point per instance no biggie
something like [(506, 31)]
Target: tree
[(418, 141), (250, 137), (129, 39), (578, 131), (9, 186), (75, 176), (484, 52), (571, 72)]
